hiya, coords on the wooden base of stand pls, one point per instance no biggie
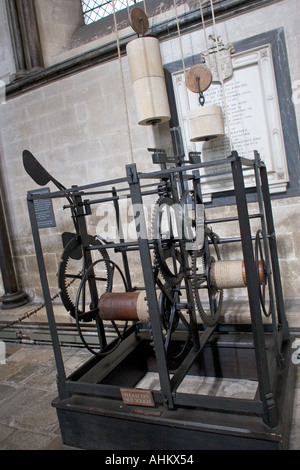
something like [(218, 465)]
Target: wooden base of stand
[(92, 421)]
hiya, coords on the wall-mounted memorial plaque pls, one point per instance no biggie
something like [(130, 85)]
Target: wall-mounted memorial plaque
[(252, 120)]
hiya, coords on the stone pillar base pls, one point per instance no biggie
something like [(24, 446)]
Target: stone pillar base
[(11, 301)]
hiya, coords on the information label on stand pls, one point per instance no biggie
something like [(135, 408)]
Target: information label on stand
[(44, 209), (137, 397)]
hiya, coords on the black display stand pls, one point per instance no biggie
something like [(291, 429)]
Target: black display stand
[(99, 406)]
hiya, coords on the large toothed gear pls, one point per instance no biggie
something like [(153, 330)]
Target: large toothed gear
[(209, 305), (171, 316), (71, 257), (166, 257), (265, 285)]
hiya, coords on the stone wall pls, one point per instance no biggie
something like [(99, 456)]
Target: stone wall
[(83, 130)]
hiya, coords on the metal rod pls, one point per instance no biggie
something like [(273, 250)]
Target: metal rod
[(122, 240), (78, 189), (232, 405), (195, 166), (82, 230), (145, 256), (152, 175), (230, 219), (191, 358), (266, 395), (266, 243), (231, 240), (114, 245), (61, 375), (274, 253)]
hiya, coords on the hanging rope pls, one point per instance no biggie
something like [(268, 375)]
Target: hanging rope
[(179, 36), (122, 80), (128, 11), (145, 8), (128, 7), (205, 35), (221, 75)]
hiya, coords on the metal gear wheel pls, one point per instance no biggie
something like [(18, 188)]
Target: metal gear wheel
[(173, 318), (166, 256), (260, 257), (208, 298), (72, 267)]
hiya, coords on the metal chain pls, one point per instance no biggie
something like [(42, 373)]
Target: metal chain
[(30, 313)]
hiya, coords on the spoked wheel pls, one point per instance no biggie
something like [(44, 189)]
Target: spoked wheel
[(265, 298), (71, 270), (164, 229), (80, 302), (173, 319), (208, 298)]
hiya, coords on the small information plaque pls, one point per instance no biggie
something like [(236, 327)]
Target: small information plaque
[(137, 397), (44, 210)]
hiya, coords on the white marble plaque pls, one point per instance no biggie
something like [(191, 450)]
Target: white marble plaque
[(251, 118)]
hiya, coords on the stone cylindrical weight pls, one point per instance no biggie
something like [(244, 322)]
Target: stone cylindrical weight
[(206, 122), (148, 81)]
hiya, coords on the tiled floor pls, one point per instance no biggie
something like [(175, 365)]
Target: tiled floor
[(28, 386)]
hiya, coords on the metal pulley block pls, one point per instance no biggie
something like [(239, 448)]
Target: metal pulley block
[(198, 79)]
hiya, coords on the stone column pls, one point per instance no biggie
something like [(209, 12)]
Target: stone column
[(13, 297), (25, 37)]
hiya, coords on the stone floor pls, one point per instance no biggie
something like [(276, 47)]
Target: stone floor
[(28, 386)]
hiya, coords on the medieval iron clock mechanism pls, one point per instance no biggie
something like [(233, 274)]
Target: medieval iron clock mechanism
[(144, 386)]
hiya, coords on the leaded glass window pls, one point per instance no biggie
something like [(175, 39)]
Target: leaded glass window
[(96, 10)]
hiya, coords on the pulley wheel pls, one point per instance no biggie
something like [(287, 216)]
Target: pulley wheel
[(205, 78), (265, 294), (171, 316), (139, 21), (167, 257)]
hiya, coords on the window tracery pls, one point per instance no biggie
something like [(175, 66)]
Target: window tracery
[(94, 10)]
